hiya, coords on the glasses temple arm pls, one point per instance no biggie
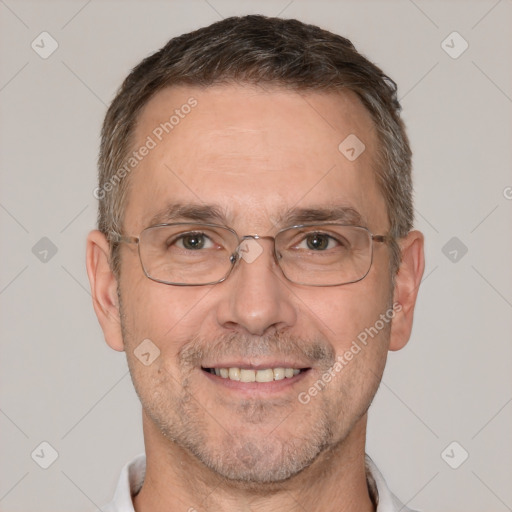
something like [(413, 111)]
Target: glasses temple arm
[(118, 238)]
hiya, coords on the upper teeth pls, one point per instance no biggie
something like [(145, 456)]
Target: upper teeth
[(267, 375)]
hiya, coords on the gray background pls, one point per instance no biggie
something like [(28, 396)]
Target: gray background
[(61, 384)]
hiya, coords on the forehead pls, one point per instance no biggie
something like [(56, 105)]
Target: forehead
[(253, 153)]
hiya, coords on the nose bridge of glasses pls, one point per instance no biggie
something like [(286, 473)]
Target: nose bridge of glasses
[(256, 237), (250, 251)]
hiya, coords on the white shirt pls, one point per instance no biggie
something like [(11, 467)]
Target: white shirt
[(132, 478)]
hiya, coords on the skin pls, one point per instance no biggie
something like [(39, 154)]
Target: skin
[(254, 153)]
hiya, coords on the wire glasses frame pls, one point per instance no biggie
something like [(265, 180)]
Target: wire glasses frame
[(165, 258)]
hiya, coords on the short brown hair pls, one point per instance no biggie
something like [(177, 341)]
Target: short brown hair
[(257, 49)]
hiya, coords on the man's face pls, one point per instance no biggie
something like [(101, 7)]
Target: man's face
[(255, 155)]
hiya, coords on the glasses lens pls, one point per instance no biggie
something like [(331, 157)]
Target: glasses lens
[(324, 255), (190, 254)]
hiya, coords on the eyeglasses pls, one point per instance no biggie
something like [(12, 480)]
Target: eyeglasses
[(186, 254)]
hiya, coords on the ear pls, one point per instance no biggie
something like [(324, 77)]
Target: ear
[(104, 288), (407, 282)]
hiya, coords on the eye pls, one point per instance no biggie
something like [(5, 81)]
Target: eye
[(193, 241), (318, 242)]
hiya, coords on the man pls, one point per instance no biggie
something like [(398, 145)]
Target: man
[(255, 261)]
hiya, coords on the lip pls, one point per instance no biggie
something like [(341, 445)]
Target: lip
[(258, 365), (256, 388)]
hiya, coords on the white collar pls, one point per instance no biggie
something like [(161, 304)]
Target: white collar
[(132, 477)]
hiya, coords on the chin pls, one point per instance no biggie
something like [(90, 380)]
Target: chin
[(249, 463)]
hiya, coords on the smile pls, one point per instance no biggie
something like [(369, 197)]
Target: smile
[(252, 375)]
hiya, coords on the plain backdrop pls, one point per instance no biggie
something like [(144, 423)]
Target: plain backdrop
[(62, 385)]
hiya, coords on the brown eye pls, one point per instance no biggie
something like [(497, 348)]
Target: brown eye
[(317, 241), (193, 241)]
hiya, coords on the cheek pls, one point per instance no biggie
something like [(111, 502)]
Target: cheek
[(167, 315), (341, 314), (157, 321), (362, 323)]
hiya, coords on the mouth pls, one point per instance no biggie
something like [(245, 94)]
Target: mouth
[(262, 375)]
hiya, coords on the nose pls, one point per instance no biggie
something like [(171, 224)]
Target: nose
[(256, 298)]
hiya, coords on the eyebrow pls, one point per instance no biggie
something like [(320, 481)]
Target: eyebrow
[(211, 213), (335, 213), (175, 212)]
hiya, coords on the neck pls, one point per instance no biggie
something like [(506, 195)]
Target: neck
[(175, 480)]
